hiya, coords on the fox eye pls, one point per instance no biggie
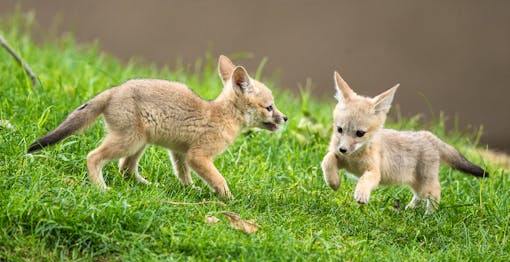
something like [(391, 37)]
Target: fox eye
[(269, 108), (340, 130), (360, 133)]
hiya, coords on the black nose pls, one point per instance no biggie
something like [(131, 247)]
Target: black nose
[(342, 150), (285, 118)]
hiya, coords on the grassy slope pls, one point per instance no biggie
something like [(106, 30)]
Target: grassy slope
[(50, 211)]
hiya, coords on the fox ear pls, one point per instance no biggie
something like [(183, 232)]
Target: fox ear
[(225, 68), (343, 91), (382, 102), (241, 80)]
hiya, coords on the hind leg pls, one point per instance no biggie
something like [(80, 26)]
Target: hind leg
[(129, 165), (112, 147), (428, 187), (433, 198), (430, 193), (181, 167)]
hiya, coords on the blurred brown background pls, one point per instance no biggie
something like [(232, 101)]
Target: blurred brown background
[(454, 53)]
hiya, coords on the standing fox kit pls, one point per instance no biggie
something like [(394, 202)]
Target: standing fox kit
[(149, 111), (375, 155)]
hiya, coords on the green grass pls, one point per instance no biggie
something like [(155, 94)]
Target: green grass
[(50, 211)]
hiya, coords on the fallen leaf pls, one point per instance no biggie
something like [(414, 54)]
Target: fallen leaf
[(247, 226), (211, 219)]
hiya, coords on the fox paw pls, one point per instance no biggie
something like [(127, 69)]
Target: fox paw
[(228, 195), (333, 185), (224, 193), (361, 197)]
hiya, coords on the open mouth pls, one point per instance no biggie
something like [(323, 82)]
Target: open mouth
[(270, 126)]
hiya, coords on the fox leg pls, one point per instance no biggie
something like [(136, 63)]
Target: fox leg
[(433, 195), (205, 169), (181, 168), (414, 202), (366, 183), (129, 165), (430, 192), (112, 147), (428, 186), (330, 171)]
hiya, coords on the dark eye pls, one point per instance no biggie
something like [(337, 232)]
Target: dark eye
[(269, 108), (360, 133), (340, 130)]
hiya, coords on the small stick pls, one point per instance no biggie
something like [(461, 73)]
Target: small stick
[(18, 59), (204, 202)]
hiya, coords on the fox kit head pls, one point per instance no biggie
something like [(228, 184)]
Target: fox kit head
[(357, 119), (250, 96)]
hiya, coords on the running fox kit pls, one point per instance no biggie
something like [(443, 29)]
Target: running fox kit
[(375, 155), (149, 111)]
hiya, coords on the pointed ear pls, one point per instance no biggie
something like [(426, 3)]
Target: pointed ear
[(225, 68), (343, 91), (241, 80), (382, 102)]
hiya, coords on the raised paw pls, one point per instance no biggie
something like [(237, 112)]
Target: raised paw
[(332, 183), (330, 171), (361, 196), (334, 186)]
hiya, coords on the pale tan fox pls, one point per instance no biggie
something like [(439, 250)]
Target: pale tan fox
[(375, 155), (149, 111)]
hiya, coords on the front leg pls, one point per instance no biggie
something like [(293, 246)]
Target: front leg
[(181, 168), (330, 171), (366, 183), (206, 170)]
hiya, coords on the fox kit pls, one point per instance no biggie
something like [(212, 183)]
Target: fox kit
[(375, 155), (149, 111)]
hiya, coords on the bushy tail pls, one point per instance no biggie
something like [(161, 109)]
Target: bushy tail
[(80, 118), (455, 159)]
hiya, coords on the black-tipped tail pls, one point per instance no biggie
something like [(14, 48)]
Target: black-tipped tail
[(51, 138), (80, 118), (454, 158), (469, 168), (37, 145)]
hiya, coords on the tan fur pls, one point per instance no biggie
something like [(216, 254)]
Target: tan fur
[(385, 156), (149, 111)]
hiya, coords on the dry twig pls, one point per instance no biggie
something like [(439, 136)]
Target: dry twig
[(18, 59), (204, 202)]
